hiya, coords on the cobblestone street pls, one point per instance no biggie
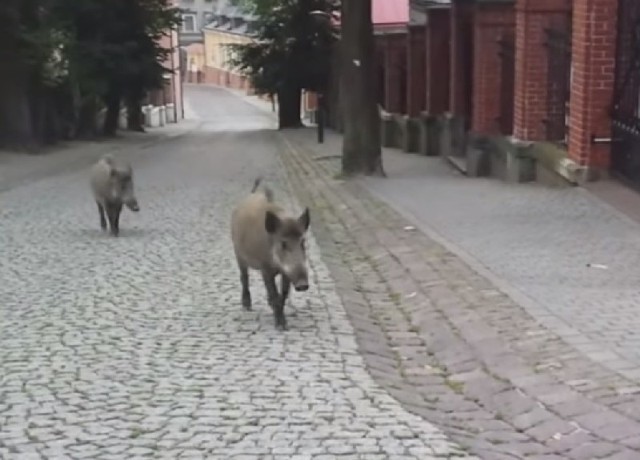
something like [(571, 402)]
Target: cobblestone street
[(138, 347)]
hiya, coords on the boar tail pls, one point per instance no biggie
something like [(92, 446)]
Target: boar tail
[(266, 190), (256, 184)]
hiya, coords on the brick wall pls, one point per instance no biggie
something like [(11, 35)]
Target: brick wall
[(593, 56), (222, 77), (438, 44), (416, 70), (492, 23), (532, 18)]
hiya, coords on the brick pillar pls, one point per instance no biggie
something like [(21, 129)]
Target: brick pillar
[(461, 88), (532, 18), (416, 70), (492, 23), (395, 58), (438, 42), (593, 64)]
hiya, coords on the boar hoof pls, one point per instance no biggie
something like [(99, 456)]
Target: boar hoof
[(281, 323), (246, 303)]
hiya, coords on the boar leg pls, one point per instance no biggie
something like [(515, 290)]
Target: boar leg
[(117, 218), (274, 298), (244, 279), (103, 220), (113, 213), (269, 279), (285, 287)]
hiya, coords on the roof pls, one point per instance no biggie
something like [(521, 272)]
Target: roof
[(389, 12)]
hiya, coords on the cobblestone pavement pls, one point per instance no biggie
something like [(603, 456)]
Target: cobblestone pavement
[(137, 347), (438, 329)]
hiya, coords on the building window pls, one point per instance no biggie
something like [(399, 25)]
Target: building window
[(188, 22)]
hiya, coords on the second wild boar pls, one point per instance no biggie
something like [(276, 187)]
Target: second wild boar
[(112, 187)]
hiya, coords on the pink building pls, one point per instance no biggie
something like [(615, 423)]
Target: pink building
[(172, 92)]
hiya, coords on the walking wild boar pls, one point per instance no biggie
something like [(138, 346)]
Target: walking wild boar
[(267, 239), (112, 187)]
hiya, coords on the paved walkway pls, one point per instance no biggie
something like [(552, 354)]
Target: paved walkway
[(569, 258), (137, 347), (507, 376)]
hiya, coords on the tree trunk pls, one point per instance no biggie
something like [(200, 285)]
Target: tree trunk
[(113, 111), (289, 99), (87, 118), (134, 97), (361, 152), (135, 119), (16, 126)]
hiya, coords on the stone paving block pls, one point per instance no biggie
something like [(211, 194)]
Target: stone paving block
[(142, 339)]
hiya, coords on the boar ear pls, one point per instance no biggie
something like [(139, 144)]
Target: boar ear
[(305, 219), (271, 222)]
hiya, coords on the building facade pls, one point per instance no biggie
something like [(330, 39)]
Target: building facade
[(172, 92), (196, 14), (230, 26), (560, 74)]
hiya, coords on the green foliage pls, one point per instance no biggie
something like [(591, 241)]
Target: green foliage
[(87, 46), (292, 48)]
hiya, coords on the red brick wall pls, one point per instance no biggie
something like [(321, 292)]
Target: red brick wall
[(491, 22), (532, 18), (438, 43), (225, 78), (194, 77), (416, 70), (593, 51)]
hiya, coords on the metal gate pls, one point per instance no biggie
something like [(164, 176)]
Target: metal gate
[(507, 54), (558, 44), (625, 154)]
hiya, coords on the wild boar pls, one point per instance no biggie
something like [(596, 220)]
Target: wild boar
[(267, 239), (112, 186)]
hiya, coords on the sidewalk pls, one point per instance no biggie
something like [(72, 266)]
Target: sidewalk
[(486, 320), (535, 242), (20, 168)]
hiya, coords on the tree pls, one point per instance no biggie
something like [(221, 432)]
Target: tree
[(65, 59), (291, 52), (361, 151)]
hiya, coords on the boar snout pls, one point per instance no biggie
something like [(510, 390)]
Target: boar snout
[(133, 205), (300, 280), (301, 286)]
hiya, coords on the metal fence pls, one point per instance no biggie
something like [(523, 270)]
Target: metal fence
[(625, 152), (558, 43), (507, 53)]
